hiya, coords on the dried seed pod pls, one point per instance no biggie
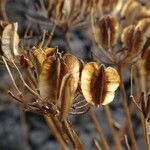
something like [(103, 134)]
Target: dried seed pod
[(134, 37), (144, 27), (108, 31), (2, 26), (49, 79), (99, 84), (66, 96), (73, 66), (127, 36), (10, 41), (133, 11), (40, 56)]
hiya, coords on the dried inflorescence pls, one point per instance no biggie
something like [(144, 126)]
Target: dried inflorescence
[(134, 38), (59, 83), (58, 76)]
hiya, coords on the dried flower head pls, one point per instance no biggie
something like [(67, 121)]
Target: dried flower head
[(98, 84)]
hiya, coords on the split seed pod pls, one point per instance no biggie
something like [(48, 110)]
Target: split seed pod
[(98, 84), (134, 37), (108, 31), (66, 96), (10, 41)]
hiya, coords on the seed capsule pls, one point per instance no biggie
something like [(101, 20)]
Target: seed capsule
[(99, 84), (108, 31)]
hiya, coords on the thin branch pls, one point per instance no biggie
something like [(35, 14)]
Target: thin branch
[(11, 76), (127, 112), (100, 132)]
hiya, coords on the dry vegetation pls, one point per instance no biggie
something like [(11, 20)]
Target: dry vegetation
[(56, 84)]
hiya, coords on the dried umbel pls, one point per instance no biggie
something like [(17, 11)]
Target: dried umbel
[(133, 11), (99, 84), (108, 32), (108, 29)]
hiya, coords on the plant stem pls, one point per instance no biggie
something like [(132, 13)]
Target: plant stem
[(144, 121), (56, 133), (126, 108), (110, 122), (100, 132)]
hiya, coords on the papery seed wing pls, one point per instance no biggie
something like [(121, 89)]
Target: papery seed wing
[(112, 80), (73, 66), (10, 41), (67, 91), (49, 79), (38, 57), (109, 97), (87, 74)]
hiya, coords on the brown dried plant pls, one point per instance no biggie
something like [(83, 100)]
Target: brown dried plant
[(58, 84)]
